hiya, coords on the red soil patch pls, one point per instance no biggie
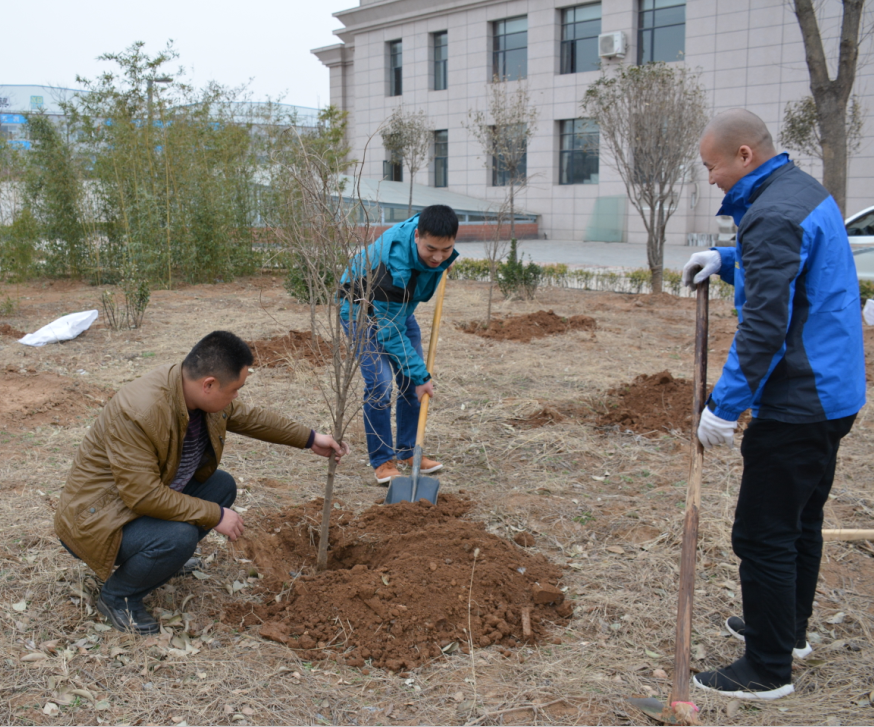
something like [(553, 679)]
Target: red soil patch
[(7, 330), (532, 325), (650, 405), (294, 345), (396, 593), (29, 399), (554, 413)]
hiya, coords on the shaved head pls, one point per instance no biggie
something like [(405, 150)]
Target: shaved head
[(738, 127), (733, 144)]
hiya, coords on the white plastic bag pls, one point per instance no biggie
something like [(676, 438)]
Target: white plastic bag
[(62, 329), (868, 312)]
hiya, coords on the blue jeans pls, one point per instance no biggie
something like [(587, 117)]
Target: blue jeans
[(152, 551), (378, 370)]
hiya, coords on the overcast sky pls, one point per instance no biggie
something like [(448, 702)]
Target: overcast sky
[(50, 42)]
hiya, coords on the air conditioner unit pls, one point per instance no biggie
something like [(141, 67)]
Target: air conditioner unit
[(611, 45)]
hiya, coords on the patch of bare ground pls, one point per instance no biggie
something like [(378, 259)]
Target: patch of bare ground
[(599, 503), (527, 327), (293, 346)]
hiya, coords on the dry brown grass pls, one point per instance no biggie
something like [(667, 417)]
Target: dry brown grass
[(585, 493)]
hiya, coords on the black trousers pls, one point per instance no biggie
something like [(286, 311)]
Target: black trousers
[(787, 476)]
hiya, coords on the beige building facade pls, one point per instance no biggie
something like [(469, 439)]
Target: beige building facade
[(439, 55)]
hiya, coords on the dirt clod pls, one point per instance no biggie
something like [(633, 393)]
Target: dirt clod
[(526, 540), (283, 350), (384, 598), (532, 325)]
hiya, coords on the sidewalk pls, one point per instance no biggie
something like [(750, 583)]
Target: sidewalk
[(629, 255)]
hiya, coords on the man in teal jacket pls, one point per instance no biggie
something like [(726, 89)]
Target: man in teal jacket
[(400, 270)]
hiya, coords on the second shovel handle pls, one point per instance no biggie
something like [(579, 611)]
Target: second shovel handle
[(432, 353)]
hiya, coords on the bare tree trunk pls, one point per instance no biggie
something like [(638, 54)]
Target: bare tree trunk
[(831, 96), (512, 212), (322, 559), (652, 256), (492, 271), (410, 203)]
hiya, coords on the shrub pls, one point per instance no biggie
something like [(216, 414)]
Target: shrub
[(866, 290), (468, 269), (639, 279), (517, 278), (673, 280)]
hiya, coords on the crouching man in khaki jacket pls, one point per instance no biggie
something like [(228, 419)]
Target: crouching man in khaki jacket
[(145, 486)]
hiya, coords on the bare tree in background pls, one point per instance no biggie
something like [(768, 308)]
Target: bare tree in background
[(650, 118), (503, 132), (832, 96), (495, 248), (409, 136), (322, 233)]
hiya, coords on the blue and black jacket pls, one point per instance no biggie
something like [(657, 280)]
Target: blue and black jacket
[(798, 355), (398, 281)]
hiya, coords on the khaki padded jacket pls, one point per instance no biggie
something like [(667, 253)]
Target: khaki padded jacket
[(129, 457)]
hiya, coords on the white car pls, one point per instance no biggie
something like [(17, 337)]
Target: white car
[(860, 228)]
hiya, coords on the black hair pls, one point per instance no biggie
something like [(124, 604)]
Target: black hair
[(220, 354), (438, 220)]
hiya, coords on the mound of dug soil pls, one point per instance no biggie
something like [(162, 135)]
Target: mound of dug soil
[(530, 326), (398, 589), (554, 413), (29, 399), (650, 405), (7, 330), (280, 350)]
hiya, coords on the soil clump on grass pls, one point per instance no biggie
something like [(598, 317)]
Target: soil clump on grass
[(524, 329), (554, 413), (30, 399), (7, 330), (405, 583), (650, 405), (282, 350)]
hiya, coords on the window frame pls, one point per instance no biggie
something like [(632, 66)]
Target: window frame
[(395, 72), (577, 154), (499, 54), (441, 161), (440, 67), (568, 62), (653, 7)]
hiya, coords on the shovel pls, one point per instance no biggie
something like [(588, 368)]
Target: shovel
[(681, 710), (416, 487)]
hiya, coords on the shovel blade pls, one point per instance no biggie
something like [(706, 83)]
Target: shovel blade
[(653, 708), (401, 490)]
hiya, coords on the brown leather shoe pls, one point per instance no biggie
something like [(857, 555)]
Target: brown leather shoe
[(386, 472), (428, 465)]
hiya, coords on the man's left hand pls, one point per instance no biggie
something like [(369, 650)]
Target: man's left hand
[(325, 445)]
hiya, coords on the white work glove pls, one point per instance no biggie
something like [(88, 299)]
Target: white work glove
[(713, 431), (700, 267)]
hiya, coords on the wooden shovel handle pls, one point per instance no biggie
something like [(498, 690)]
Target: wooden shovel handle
[(683, 647), (432, 353)]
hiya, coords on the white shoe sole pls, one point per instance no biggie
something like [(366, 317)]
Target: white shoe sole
[(432, 469), (769, 695), (385, 480), (796, 653)]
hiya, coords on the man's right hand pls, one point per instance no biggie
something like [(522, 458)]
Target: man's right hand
[(426, 388), (231, 525), (700, 267)]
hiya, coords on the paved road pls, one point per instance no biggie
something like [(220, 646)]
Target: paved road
[(588, 254)]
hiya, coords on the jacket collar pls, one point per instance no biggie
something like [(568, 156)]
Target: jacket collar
[(742, 195)]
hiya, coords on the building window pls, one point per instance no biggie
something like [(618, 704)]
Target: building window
[(501, 174), (578, 155), (441, 157), (580, 27), (441, 46), (392, 169), (510, 50), (395, 68), (662, 31)]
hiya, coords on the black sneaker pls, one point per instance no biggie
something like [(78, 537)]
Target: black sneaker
[(737, 628), (741, 682), (134, 620)]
